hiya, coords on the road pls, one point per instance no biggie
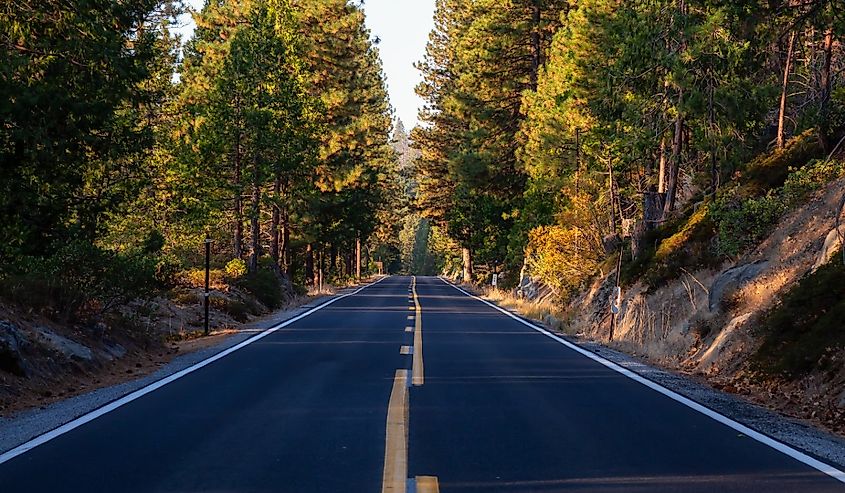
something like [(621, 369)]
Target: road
[(406, 379)]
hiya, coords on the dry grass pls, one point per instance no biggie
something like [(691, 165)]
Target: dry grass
[(546, 312)]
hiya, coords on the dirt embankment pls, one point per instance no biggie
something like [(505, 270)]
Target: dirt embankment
[(705, 323), (42, 361)]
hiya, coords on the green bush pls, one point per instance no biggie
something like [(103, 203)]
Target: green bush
[(744, 223), (80, 280), (266, 286), (235, 269), (805, 180)]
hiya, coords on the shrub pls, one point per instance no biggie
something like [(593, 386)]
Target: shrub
[(805, 180), (235, 269), (80, 280), (743, 224), (266, 286), (771, 170), (195, 278), (562, 257)]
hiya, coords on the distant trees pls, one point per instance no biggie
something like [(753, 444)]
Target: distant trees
[(480, 60)]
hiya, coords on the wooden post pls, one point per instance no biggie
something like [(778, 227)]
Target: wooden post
[(358, 258)]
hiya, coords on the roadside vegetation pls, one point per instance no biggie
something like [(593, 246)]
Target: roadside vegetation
[(695, 145), (125, 147)]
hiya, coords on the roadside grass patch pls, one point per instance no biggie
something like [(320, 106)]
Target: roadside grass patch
[(546, 311)]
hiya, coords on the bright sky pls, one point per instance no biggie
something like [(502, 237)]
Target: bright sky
[(403, 27)]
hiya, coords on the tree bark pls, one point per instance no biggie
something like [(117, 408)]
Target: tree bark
[(825, 90), (784, 90), (535, 43), (238, 240), (358, 257), (675, 162), (467, 257), (255, 224), (309, 264), (286, 262), (275, 240)]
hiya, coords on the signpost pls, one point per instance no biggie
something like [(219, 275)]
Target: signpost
[(495, 279)]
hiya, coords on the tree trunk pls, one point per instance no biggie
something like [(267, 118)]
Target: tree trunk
[(332, 258), (286, 262), (255, 224), (350, 258), (321, 267), (675, 162), (238, 241), (309, 264), (661, 168), (358, 257), (275, 240), (612, 189), (467, 256), (784, 90), (535, 44), (824, 89)]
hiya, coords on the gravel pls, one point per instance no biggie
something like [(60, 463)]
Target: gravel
[(797, 434), (29, 424), (817, 443)]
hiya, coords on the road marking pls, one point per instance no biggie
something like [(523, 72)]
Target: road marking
[(409, 329), (427, 484), (85, 418), (418, 373), (405, 350), (410, 317), (396, 437), (741, 428)]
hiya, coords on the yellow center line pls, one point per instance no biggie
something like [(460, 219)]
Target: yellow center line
[(418, 372), (395, 477)]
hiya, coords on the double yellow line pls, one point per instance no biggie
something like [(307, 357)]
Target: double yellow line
[(417, 372), (395, 478)]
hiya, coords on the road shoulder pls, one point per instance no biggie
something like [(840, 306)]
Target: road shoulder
[(797, 434), (27, 425)]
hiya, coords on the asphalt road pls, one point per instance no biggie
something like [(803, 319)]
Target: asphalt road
[(501, 408)]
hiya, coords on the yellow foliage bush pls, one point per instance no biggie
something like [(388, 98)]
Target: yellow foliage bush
[(562, 257)]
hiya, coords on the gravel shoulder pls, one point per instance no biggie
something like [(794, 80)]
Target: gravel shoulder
[(22, 427)]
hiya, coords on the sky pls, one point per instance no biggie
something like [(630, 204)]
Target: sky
[(403, 27)]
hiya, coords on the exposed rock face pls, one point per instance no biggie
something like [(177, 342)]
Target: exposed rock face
[(12, 342), (732, 279), (70, 349), (832, 244)]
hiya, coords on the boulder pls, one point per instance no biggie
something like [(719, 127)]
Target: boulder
[(70, 349), (732, 279), (832, 244), (12, 342)]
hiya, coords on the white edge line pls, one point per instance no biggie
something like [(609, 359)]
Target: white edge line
[(745, 430), (92, 415)]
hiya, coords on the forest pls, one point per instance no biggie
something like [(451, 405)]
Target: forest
[(559, 134), (560, 140), (125, 147)]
